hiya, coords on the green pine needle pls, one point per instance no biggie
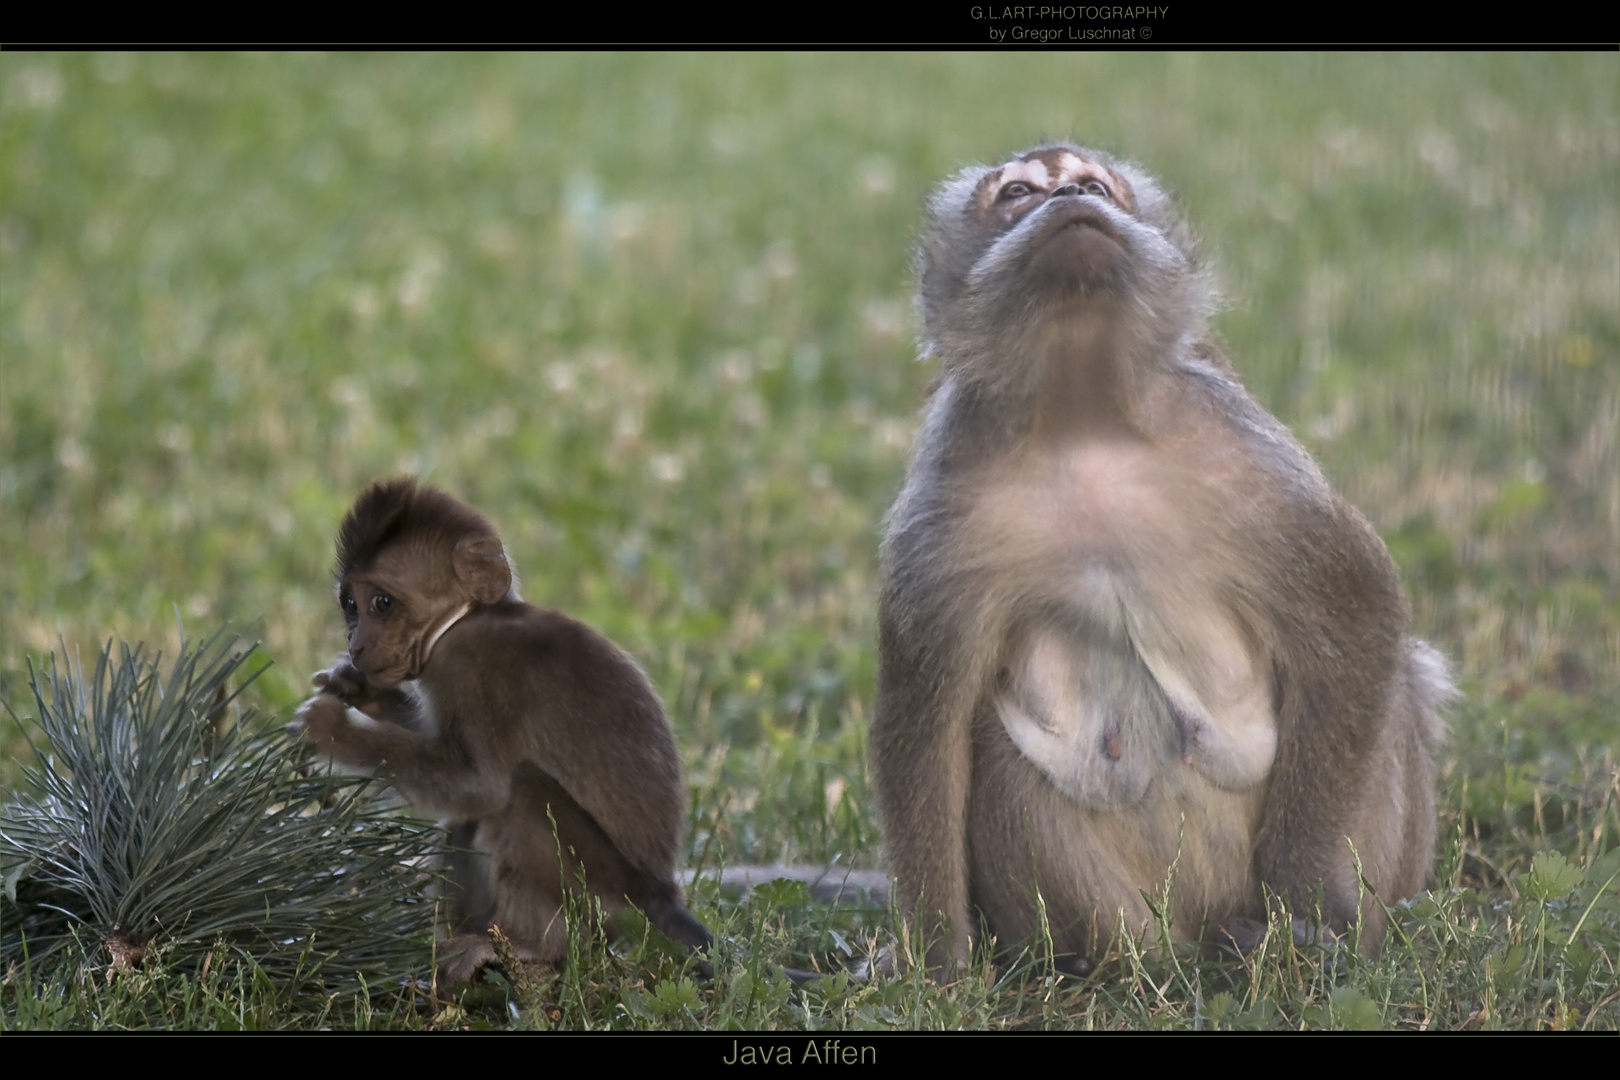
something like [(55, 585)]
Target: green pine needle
[(153, 824)]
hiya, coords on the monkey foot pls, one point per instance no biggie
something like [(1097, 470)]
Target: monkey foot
[(464, 956), (1075, 966), (880, 965), (1245, 934), (1242, 934)]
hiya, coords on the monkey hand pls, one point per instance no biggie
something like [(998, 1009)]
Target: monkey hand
[(343, 679), (348, 684), (324, 721)]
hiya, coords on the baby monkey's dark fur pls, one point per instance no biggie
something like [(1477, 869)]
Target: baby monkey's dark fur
[(1125, 621), (541, 741)]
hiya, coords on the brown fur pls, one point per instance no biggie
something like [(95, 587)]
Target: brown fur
[(1125, 623), (543, 743)]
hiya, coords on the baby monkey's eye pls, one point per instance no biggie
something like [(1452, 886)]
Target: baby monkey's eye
[(382, 603), (346, 602), (1015, 190)]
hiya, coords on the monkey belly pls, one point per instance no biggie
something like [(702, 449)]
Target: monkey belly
[(1081, 716), (1103, 711), (1041, 863)]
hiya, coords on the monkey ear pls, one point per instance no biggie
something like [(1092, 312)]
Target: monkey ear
[(482, 568)]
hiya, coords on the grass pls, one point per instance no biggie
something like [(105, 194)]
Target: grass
[(651, 314)]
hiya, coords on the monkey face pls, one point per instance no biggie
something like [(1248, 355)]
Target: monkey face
[(1055, 232), (375, 618), (411, 562), (1005, 195), (1057, 223), (395, 611)]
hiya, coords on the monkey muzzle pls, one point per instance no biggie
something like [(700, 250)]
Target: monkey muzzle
[(1076, 212), (1072, 245)]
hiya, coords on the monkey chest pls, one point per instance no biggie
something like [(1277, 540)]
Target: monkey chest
[(1124, 664)]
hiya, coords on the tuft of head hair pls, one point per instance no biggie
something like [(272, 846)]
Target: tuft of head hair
[(401, 510)]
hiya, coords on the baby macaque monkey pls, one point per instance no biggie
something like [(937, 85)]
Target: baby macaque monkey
[(1125, 622), (542, 742)]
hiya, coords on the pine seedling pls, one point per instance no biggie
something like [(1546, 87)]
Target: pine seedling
[(150, 822)]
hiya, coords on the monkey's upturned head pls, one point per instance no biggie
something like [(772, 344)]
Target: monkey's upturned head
[(1056, 230)]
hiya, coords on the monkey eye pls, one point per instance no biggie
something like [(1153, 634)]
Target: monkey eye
[(1015, 190), (1096, 187), (346, 602), (382, 603)]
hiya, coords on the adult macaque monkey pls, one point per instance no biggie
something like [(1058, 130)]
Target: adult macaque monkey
[(1126, 625), (543, 743)]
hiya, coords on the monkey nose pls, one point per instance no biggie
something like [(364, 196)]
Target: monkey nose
[(1067, 189)]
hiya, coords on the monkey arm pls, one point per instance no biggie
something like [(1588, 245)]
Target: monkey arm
[(1341, 644), (1324, 593), (431, 772), (921, 745)]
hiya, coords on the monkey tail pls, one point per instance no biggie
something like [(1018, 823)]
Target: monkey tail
[(666, 912), (670, 915), (1429, 682)]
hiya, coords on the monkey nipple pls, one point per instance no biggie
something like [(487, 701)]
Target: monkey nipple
[(1189, 725), (1112, 744)]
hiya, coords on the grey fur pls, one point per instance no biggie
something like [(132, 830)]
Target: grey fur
[(1126, 623)]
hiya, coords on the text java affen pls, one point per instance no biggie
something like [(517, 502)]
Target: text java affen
[(824, 1052)]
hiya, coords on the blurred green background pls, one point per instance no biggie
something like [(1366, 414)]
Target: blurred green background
[(652, 314)]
